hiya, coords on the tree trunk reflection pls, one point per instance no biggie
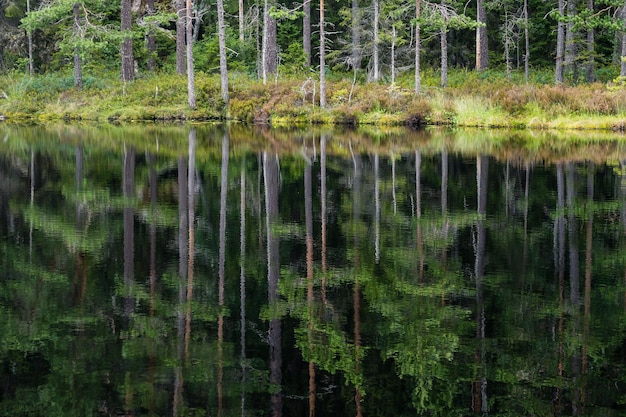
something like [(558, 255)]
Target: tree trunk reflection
[(221, 272), (271, 174), (480, 386)]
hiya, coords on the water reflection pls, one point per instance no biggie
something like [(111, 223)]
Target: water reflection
[(258, 272)]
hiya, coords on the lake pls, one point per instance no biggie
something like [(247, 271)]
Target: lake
[(166, 270)]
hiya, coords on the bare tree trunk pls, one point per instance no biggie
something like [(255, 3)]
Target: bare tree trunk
[(356, 35), (306, 32), (482, 58), (560, 46), (221, 28), (393, 55), (570, 41), (444, 57), (418, 75), (180, 36), (376, 23), (622, 71), (526, 43), (78, 68), (241, 21), (191, 85), (31, 68), (591, 66), (128, 60), (150, 40), (269, 59), (322, 57)]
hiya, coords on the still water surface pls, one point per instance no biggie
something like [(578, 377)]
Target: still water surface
[(161, 271)]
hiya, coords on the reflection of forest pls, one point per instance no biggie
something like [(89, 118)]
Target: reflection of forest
[(177, 271)]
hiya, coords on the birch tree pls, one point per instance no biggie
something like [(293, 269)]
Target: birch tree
[(221, 29)]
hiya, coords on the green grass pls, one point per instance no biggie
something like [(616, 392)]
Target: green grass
[(477, 99)]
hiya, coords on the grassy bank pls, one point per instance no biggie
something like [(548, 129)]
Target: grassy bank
[(473, 99)]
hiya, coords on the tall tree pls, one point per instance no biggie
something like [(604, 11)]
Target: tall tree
[(591, 69), (191, 85), (181, 35), (526, 42), (376, 24), (306, 32), (560, 44), (571, 40), (221, 33), (150, 39), (482, 58), (418, 75), (322, 57), (128, 59), (356, 35), (622, 71), (269, 48), (78, 68)]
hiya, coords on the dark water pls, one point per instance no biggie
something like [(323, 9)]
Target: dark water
[(161, 271)]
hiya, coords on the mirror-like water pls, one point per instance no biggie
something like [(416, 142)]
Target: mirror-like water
[(184, 271)]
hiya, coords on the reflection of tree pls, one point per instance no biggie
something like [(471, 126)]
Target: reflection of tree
[(480, 403), (270, 176), (221, 273)]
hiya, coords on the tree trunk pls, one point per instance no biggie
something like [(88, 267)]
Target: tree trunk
[(180, 36), (560, 45), (306, 32), (221, 28), (241, 21), (482, 58), (222, 272), (191, 85), (31, 68), (150, 40), (128, 60), (591, 66), (356, 35), (393, 55), (376, 75), (622, 71), (526, 43), (418, 75), (322, 57), (78, 67), (444, 57), (269, 58), (570, 41)]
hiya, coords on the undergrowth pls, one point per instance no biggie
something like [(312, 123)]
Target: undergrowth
[(473, 98)]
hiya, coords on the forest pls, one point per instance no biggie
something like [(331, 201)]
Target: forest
[(325, 54)]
